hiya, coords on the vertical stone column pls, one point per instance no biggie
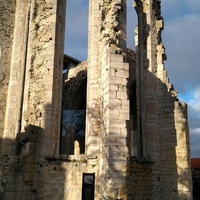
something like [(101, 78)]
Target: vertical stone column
[(94, 105), (14, 90), (43, 81), (183, 162), (93, 118), (115, 125), (7, 14), (36, 72), (108, 94), (141, 60), (146, 80), (150, 68), (152, 147), (7, 21), (32, 119)]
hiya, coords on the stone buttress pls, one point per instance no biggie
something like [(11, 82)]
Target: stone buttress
[(32, 117), (107, 100)]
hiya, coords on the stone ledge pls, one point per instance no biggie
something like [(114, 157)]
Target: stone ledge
[(140, 160), (65, 158)]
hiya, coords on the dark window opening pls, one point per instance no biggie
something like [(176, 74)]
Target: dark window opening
[(73, 132), (133, 107), (88, 186), (135, 139)]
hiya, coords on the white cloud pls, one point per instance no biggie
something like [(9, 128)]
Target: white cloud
[(195, 142), (131, 24), (196, 131), (194, 121), (195, 101), (181, 39)]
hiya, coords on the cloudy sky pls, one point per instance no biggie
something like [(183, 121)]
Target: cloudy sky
[(181, 40)]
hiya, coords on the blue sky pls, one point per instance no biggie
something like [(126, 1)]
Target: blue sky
[(181, 40)]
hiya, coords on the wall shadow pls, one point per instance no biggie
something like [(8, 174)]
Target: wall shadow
[(26, 173), (155, 175), (20, 167)]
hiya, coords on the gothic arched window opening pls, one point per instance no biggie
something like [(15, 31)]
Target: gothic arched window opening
[(73, 109)]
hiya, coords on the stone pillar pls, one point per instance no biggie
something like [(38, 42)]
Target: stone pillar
[(93, 115), (7, 18), (107, 102), (146, 66), (183, 160), (141, 62), (32, 119), (36, 72), (7, 21), (43, 74), (12, 116)]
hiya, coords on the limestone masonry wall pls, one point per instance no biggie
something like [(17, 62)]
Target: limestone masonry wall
[(7, 16), (66, 178), (34, 93), (136, 139)]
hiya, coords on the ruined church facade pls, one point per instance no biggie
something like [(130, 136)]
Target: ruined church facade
[(135, 140)]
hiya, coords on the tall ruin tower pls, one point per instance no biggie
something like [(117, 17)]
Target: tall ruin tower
[(134, 144)]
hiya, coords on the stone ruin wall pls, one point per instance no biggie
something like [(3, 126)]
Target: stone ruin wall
[(157, 175), (162, 140), (151, 178), (7, 16), (43, 83), (35, 68), (33, 102), (65, 173), (165, 140), (72, 84)]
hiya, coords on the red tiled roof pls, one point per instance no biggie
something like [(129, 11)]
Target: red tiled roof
[(195, 163)]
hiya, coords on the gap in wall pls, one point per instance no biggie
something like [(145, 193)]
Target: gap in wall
[(131, 24), (76, 29)]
